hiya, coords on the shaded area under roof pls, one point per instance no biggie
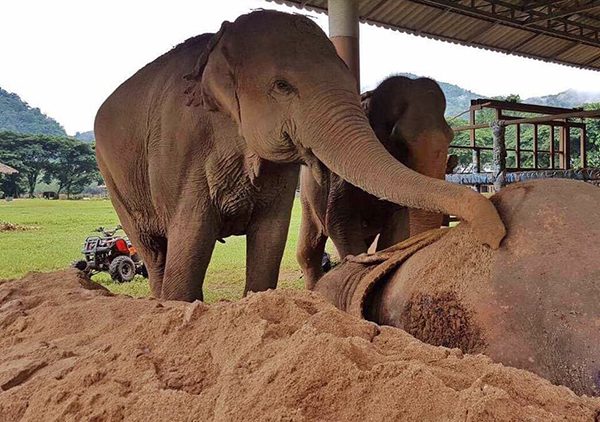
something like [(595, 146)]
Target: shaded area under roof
[(559, 31)]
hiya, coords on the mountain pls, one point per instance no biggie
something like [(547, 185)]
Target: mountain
[(458, 99), (85, 136), (567, 99), (17, 116)]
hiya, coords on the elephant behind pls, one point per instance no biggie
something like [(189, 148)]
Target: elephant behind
[(407, 116), (532, 304)]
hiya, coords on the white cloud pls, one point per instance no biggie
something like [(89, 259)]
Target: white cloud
[(66, 57)]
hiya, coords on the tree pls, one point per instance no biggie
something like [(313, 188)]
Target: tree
[(30, 154), (74, 166), (593, 137)]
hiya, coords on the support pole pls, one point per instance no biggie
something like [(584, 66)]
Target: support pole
[(535, 146), (583, 147), (476, 159), (499, 164), (343, 32)]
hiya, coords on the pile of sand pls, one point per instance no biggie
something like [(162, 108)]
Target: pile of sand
[(5, 226), (71, 353)]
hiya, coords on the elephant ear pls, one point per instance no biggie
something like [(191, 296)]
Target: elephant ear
[(212, 83)]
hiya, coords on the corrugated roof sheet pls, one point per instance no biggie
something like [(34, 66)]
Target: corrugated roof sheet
[(4, 169), (559, 31)]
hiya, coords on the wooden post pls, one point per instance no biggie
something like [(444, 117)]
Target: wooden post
[(499, 164), (567, 146), (563, 145), (518, 148), (535, 146), (476, 158), (343, 32), (552, 147), (583, 146)]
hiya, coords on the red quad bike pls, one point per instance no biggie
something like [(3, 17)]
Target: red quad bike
[(111, 253)]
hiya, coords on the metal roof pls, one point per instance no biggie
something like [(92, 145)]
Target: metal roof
[(559, 31), (4, 169)]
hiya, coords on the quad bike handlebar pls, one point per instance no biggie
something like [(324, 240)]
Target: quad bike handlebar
[(108, 232)]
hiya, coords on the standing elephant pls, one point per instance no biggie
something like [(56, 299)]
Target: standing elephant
[(407, 115), (531, 304), (206, 141)]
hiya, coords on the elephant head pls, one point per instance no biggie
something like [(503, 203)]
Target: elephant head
[(408, 116), (294, 100)]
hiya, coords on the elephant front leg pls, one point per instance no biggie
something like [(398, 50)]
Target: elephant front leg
[(310, 249), (190, 245), (395, 229), (265, 243)]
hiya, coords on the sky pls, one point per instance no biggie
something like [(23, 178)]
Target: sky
[(67, 56)]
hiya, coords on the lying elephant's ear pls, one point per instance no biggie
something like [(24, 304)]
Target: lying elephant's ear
[(212, 82)]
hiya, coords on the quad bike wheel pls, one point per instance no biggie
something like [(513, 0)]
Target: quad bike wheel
[(81, 265), (122, 269)]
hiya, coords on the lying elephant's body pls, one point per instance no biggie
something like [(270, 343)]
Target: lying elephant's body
[(532, 304)]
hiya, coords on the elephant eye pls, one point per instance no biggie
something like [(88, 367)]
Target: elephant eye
[(283, 87)]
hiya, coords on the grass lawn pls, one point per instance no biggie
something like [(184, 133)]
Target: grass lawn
[(63, 225)]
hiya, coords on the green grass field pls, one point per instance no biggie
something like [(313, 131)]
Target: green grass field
[(63, 226)]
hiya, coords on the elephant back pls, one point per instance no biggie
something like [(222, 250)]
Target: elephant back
[(531, 304)]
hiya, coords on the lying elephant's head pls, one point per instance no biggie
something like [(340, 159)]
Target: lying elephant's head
[(294, 100)]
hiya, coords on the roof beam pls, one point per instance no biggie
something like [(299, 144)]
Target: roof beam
[(589, 38), (561, 13), (539, 4)]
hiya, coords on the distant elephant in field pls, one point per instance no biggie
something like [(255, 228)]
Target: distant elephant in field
[(532, 304), (407, 115), (206, 141)]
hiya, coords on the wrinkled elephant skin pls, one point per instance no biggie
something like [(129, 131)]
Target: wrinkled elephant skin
[(532, 304)]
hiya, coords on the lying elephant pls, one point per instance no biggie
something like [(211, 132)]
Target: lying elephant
[(532, 304), (206, 141), (407, 115)]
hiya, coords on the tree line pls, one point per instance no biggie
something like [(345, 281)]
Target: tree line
[(67, 162), (71, 165)]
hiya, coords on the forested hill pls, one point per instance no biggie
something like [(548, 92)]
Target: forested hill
[(568, 99), (17, 116), (458, 99), (85, 136)]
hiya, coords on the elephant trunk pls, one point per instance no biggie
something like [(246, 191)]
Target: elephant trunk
[(342, 139), (427, 155)]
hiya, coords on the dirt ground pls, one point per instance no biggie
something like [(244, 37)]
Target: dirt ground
[(73, 353)]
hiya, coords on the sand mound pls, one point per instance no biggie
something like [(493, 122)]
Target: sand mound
[(71, 353), (5, 226)]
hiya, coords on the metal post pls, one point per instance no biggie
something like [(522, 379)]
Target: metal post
[(343, 32), (499, 164)]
